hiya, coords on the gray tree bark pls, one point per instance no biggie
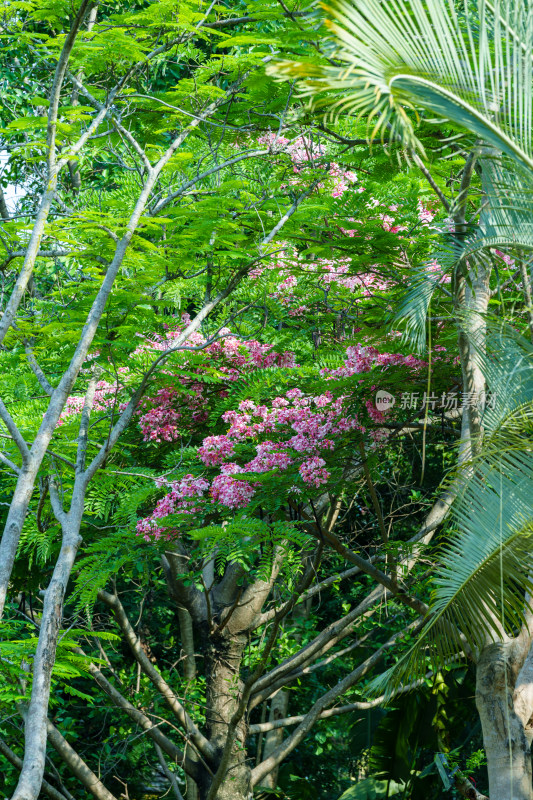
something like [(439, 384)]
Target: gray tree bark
[(506, 742), (189, 673), (278, 710), (223, 656)]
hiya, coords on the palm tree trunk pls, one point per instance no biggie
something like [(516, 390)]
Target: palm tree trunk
[(507, 745)]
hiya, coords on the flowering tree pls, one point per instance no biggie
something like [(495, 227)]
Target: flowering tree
[(241, 516)]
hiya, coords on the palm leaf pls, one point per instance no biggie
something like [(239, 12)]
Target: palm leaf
[(409, 54), (413, 307), (486, 569), (507, 219), (507, 363)]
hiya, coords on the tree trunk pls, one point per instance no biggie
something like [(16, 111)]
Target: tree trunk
[(223, 657), (278, 710), (504, 737)]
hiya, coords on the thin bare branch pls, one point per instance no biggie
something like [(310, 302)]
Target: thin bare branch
[(289, 744), (168, 774), (36, 369), (14, 432), (362, 705), (199, 741), (77, 765)]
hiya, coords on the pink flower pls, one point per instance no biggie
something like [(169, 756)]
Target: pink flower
[(374, 414), (230, 492), (313, 472), (425, 214), (215, 449), (183, 497)]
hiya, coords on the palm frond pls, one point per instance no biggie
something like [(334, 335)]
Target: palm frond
[(486, 570), (404, 55), (413, 307), (507, 363), (506, 221)]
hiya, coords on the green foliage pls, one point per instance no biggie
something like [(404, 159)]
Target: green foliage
[(485, 568), (372, 789), (426, 55)]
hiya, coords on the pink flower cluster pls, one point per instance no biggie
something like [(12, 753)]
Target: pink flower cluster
[(374, 413), (292, 434), (425, 214), (269, 457), (302, 150), (183, 497), (362, 359), (313, 472), (507, 259), (388, 224), (230, 492), (215, 450), (160, 422), (164, 416), (106, 395), (306, 424), (330, 273), (298, 428), (434, 268)]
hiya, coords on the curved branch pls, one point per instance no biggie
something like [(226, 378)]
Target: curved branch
[(166, 745), (36, 369), (196, 737), (12, 757), (77, 765), (362, 705), (14, 432), (287, 746), (325, 640)]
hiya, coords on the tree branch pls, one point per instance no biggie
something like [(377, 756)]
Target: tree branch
[(289, 744), (168, 774), (47, 788), (197, 738), (14, 432), (76, 765), (12, 466), (232, 21), (323, 642), (264, 727), (36, 369), (429, 177), (341, 628), (250, 682), (316, 589), (144, 722), (48, 195)]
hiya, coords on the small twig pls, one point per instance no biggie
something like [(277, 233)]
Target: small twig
[(429, 177)]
